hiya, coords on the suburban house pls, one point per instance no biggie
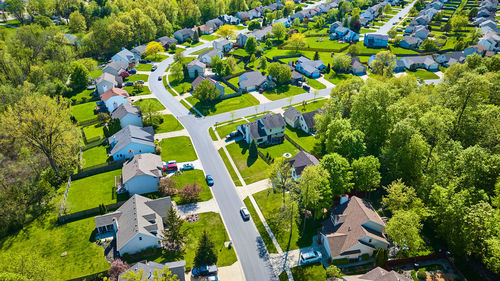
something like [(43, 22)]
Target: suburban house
[(229, 19), (206, 56), (218, 86), (377, 274), (195, 68), (334, 26), (244, 16), (300, 162), (137, 225), (478, 49), (421, 32), (115, 68), (114, 97), (266, 130), (357, 68), (426, 62), (148, 269), (255, 13), (490, 24), (310, 68), (128, 115), (130, 141), (167, 41), (291, 116), (374, 40), (448, 59), (258, 34), (107, 81), (139, 50), (298, 120), (410, 42), (490, 41), (205, 30), (223, 45), (254, 80), (183, 34), (126, 56), (285, 21), (344, 34), (141, 174), (214, 24), (354, 229)]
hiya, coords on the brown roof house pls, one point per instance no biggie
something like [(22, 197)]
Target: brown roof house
[(353, 229), (300, 162)]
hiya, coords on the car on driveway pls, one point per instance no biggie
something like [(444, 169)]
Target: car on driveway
[(187, 166), (132, 71), (159, 78), (139, 81), (309, 257), (233, 135), (154, 67), (245, 214), (213, 278), (205, 270), (129, 83), (210, 180), (306, 87)]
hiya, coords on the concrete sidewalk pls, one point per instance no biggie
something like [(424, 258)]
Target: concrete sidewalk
[(198, 207), (179, 133)]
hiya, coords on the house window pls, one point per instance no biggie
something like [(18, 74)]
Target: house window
[(140, 238), (370, 240)]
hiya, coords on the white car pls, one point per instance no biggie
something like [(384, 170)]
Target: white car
[(245, 214)]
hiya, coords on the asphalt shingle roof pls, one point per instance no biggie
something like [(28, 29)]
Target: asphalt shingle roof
[(124, 109), (142, 164), (130, 134), (302, 160)]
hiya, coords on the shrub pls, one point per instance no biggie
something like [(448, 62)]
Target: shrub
[(173, 47), (117, 268), (157, 150), (421, 274), (190, 193), (340, 261), (167, 186), (103, 117)]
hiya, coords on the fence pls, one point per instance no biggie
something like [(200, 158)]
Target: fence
[(97, 169), (62, 219), (261, 155), (294, 143), (92, 144), (88, 122), (61, 211)]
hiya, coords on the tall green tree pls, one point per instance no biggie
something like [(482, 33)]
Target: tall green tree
[(77, 22), (341, 138), (280, 176), (174, 236), (404, 230), (205, 91), (314, 188), (340, 174), (365, 171), (205, 252), (79, 76), (251, 45)]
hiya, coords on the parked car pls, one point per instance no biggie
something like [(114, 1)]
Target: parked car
[(310, 257), (233, 135), (399, 30), (129, 83), (245, 214), (159, 78), (187, 166), (210, 180), (306, 87), (132, 71), (90, 87), (213, 278), (154, 68), (140, 81), (142, 61), (204, 270), (170, 168)]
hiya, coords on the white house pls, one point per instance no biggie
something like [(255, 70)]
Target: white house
[(107, 81), (141, 174), (128, 115), (114, 97), (206, 56), (269, 129), (298, 120), (137, 225), (130, 141), (149, 268), (353, 229), (126, 56), (195, 68), (300, 162)]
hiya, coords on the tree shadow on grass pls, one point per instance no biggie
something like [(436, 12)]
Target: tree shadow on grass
[(244, 149)]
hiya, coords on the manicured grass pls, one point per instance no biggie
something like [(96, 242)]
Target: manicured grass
[(201, 51), (177, 148), (283, 91), (240, 52), (221, 106), (209, 37), (181, 86), (91, 191), (251, 170), (312, 272), (305, 140), (229, 167), (93, 131), (190, 177), (137, 77), (240, 27), (154, 103), (278, 150), (224, 130), (212, 134), (260, 227), (96, 73), (402, 51), (187, 45), (84, 111), (211, 223), (144, 67), (136, 92), (365, 50), (94, 156), (44, 239), (269, 203), (324, 43), (422, 74), (335, 79), (82, 95), (309, 106), (168, 124), (156, 58), (315, 84)]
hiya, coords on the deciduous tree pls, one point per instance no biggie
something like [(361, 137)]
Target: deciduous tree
[(251, 45), (205, 91), (340, 174), (297, 41), (77, 22), (117, 267), (190, 192), (384, 63), (404, 230), (153, 48), (365, 171), (227, 31)]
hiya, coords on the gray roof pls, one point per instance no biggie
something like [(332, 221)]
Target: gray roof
[(380, 274), (251, 79), (149, 267), (201, 78), (426, 60), (272, 121), (115, 67), (309, 118), (411, 40), (302, 160), (197, 63), (261, 33), (167, 40), (142, 164), (130, 134), (185, 31), (137, 215), (221, 42), (312, 63), (109, 77), (126, 54), (210, 53), (377, 36), (124, 109), (214, 23), (291, 113), (140, 49)]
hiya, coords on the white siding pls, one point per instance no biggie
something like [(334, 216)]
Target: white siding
[(135, 245), (142, 184)]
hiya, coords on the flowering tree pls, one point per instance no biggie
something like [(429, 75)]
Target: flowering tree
[(117, 267), (190, 193)]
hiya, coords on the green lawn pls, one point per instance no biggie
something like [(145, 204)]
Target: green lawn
[(269, 203), (94, 156), (324, 43), (212, 134), (309, 106), (423, 74), (181, 86), (312, 272), (209, 37), (335, 79), (137, 77), (154, 103), (177, 148), (212, 223), (221, 106), (283, 91), (144, 67), (84, 111), (93, 131), (83, 95), (9, 31), (240, 52), (156, 58), (44, 239), (305, 140), (190, 177), (168, 124), (260, 227), (251, 170), (229, 167), (315, 84), (224, 130), (91, 191), (136, 92), (402, 51), (278, 150), (364, 30), (201, 51)]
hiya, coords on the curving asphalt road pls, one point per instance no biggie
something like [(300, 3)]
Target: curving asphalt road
[(247, 242), (395, 19)]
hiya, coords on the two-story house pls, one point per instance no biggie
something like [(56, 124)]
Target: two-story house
[(266, 130), (130, 141), (128, 115), (141, 174), (300, 161)]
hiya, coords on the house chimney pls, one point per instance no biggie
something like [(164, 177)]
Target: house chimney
[(344, 199), (131, 152), (113, 142), (115, 224)]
